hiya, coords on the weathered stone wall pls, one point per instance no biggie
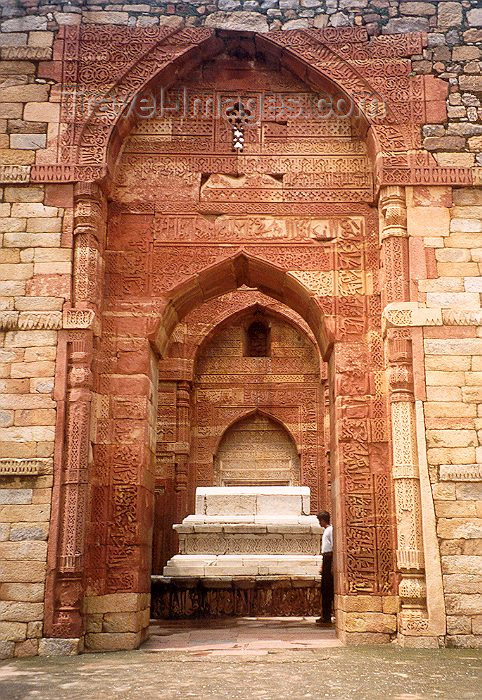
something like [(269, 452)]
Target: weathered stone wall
[(34, 284), (35, 281), (453, 355)]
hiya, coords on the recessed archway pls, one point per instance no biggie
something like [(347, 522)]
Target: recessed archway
[(227, 385), (325, 270), (228, 275), (256, 451)]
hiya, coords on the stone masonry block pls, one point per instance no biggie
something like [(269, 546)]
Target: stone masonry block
[(15, 496), (455, 300), (13, 631), (59, 647), (42, 112), (428, 221), (112, 642), (459, 624), (27, 592), (15, 611), (370, 622), (463, 583), (28, 141), (123, 622), (453, 346), (463, 604), (27, 648), (114, 603), (459, 528)]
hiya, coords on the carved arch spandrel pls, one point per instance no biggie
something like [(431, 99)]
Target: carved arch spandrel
[(342, 58)]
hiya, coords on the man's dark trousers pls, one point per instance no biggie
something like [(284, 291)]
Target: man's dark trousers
[(327, 588)]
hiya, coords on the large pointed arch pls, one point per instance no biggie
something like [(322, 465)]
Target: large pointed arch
[(232, 273), (342, 61)]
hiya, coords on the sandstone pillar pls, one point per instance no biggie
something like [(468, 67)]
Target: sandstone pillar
[(65, 581), (405, 473), (183, 400)]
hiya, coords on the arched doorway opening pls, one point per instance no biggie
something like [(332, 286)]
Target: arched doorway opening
[(283, 391)]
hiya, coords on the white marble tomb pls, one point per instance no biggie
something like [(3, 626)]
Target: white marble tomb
[(249, 531)]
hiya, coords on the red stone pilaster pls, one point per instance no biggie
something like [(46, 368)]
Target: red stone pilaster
[(65, 581)]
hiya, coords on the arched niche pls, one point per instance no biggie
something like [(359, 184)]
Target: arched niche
[(257, 451)]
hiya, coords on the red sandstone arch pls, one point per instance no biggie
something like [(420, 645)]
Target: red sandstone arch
[(310, 55), (230, 274), (343, 59)]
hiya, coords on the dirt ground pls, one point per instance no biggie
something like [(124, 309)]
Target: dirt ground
[(243, 662)]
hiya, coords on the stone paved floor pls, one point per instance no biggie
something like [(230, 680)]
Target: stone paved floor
[(240, 636), (240, 660)]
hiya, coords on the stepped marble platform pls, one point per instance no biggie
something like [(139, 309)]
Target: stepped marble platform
[(239, 532)]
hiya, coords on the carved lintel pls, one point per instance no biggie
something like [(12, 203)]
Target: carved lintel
[(25, 53), (461, 472), (462, 317), (15, 466), (9, 320), (10, 174), (409, 314), (61, 172), (30, 320)]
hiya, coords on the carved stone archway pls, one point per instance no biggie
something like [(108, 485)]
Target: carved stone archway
[(86, 154)]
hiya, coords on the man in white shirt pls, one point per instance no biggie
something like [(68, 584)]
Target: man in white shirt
[(327, 587)]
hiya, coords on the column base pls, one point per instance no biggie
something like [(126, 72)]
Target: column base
[(409, 642)]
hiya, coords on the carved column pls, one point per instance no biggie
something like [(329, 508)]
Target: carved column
[(74, 485), (410, 560), (394, 245), (65, 583), (88, 244), (183, 428)]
